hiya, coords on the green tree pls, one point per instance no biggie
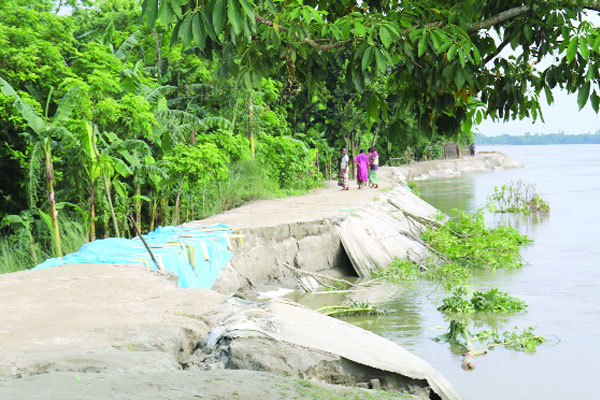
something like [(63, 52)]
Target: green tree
[(435, 55), (45, 131)]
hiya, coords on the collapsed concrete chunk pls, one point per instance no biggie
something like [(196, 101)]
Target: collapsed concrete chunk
[(284, 337)]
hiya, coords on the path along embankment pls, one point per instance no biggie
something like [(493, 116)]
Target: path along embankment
[(122, 331)]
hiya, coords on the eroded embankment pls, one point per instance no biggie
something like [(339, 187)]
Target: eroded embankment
[(362, 240), (355, 240), (109, 327)]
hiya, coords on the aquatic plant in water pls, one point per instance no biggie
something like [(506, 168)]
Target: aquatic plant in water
[(491, 300), (459, 334), (465, 240), (517, 197), (352, 309)]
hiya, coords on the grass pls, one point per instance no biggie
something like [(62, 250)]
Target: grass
[(247, 182), (16, 252)]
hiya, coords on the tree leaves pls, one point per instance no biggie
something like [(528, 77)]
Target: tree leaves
[(234, 15), (572, 49), (219, 16), (583, 94), (385, 36)]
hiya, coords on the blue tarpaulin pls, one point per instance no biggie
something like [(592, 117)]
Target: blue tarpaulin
[(196, 255)]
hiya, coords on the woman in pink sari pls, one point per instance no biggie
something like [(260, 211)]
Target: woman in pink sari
[(362, 169)]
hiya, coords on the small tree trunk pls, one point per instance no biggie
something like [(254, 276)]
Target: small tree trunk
[(92, 235), (32, 247), (151, 210), (158, 55), (154, 208), (375, 136), (138, 206), (177, 204), (249, 127), (352, 155), (53, 213), (112, 208)]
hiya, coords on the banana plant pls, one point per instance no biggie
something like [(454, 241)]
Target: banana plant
[(45, 131)]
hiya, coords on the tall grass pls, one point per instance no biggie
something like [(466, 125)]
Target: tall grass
[(247, 181), (17, 254)]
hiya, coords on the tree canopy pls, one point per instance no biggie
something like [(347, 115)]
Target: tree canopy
[(441, 60)]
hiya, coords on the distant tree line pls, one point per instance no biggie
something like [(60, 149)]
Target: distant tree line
[(538, 138)]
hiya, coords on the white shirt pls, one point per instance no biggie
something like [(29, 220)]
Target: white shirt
[(344, 163)]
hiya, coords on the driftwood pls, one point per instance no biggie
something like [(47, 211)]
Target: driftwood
[(316, 275), (470, 354)]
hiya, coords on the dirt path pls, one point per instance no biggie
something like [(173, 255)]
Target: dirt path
[(330, 201), (317, 204)]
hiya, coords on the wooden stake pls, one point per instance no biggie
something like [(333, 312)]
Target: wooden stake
[(137, 230)]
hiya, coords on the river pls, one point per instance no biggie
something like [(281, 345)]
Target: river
[(560, 283)]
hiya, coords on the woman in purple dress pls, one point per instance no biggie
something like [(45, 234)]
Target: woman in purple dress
[(362, 170)]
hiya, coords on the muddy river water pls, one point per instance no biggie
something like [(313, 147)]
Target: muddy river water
[(560, 283)]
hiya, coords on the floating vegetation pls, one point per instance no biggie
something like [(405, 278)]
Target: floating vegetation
[(517, 197), (449, 274), (465, 240), (458, 334), (352, 309), (491, 300), (400, 270)]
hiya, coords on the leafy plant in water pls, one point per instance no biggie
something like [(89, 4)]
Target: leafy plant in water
[(400, 270), (525, 340), (403, 270), (517, 197), (449, 274), (457, 303), (352, 309), (464, 239), (491, 300)]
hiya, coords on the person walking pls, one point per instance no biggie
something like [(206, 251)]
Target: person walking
[(373, 168), (362, 170), (343, 175)]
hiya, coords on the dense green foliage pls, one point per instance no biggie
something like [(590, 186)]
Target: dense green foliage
[(491, 300), (102, 117), (439, 63), (538, 138), (517, 197), (464, 239)]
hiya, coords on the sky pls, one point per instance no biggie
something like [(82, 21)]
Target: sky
[(562, 116)]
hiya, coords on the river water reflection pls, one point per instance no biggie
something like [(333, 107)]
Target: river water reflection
[(561, 283)]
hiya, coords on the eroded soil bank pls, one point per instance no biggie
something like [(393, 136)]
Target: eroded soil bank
[(105, 331)]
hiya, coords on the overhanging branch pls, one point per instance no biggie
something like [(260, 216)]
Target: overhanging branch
[(517, 12), (310, 42)]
